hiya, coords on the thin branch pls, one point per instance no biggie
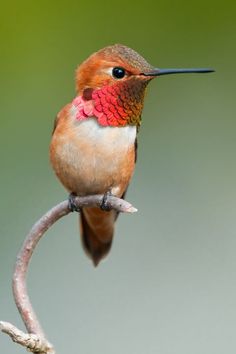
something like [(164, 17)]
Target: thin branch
[(35, 332), (32, 342)]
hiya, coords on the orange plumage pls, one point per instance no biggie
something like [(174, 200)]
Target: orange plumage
[(93, 147), (91, 156)]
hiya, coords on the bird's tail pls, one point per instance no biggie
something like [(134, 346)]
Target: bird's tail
[(97, 228)]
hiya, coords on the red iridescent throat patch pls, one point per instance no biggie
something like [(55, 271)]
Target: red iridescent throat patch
[(117, 105)]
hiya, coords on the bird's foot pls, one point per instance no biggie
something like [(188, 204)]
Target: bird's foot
[(104, 205), (72, 204)]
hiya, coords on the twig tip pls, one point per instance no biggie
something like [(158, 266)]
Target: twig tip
[(131, 209)]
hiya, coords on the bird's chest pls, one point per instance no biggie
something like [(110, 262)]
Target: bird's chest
[(94, 147), (93, 156)]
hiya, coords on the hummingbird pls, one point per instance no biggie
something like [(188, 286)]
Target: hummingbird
[(93, 148)]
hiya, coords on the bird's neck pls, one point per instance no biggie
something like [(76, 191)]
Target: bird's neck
[(116, 105)]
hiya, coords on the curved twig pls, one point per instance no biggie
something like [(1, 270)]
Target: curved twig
[(36, 336)]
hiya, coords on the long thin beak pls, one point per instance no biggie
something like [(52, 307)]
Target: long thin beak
[(159, 72)]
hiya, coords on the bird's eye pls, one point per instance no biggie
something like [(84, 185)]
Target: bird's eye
[(118, 73)]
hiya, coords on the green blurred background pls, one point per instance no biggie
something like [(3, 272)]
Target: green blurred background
[(169, 284)]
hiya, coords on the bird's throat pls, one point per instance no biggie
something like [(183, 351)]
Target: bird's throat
[(116, 105)]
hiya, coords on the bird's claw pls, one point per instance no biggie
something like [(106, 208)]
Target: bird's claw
[(104, 205), (72, 204)]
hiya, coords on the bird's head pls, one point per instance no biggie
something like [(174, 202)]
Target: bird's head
[(110, 66), (111, 84)]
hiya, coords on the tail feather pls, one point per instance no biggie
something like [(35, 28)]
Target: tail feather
[(97, 229)]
